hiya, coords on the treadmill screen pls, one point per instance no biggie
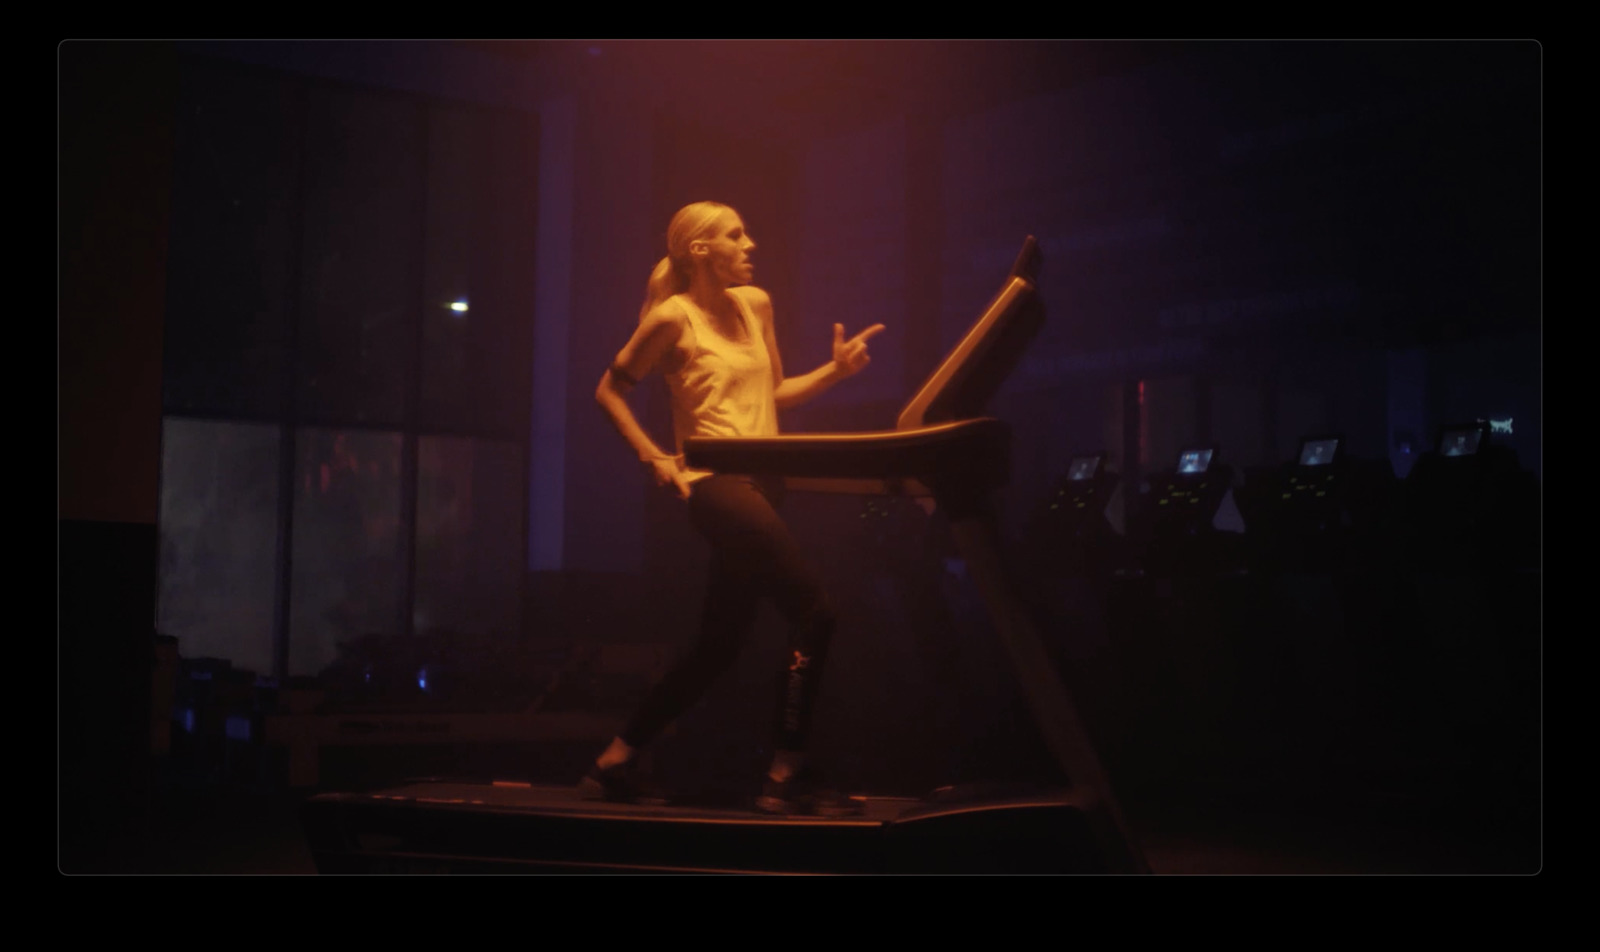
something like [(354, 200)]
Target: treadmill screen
[(1318, 452), (1083, 468), (1194, 461), (1460, 440)]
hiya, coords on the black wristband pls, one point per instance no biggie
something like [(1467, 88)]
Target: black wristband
[(623, 375)]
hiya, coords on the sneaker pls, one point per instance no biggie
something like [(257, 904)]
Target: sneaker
[(619, 783), (804, 794)]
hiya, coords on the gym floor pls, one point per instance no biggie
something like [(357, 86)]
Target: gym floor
[(213, 829)]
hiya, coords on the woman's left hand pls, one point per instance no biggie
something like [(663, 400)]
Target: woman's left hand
[(849, 356)]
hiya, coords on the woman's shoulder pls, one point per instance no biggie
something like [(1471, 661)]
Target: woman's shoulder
[(751, 293), (759, 300), (669, 314)]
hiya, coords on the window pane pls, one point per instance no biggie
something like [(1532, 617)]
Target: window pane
[(471, 508), (230, 281), (361, 256), (345, 581), (219, 511)]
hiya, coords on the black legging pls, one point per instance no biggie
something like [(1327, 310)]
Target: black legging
[(753, 556)]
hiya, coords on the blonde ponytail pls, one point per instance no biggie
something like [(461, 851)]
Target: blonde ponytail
[(671, 274), (666, 280)]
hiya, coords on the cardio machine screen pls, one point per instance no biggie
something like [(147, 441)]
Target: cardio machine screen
[(1318, 452), (1084, 468), (1194, 461), (1460, 441)]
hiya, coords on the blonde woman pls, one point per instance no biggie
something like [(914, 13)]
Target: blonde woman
[(709, 332)]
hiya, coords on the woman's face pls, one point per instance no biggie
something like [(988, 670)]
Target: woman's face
[(727, 250)]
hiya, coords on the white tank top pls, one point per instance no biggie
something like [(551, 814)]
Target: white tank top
[(724, 388)]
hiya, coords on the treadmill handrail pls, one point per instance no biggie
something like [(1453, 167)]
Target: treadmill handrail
[(964, 360), (958, 446), (899, 434)]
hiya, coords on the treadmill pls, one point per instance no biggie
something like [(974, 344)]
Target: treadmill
[(944, 449)]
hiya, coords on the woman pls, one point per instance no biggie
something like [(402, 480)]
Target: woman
[(710, 333)]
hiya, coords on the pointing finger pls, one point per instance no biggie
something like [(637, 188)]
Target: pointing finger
[(867, 334)]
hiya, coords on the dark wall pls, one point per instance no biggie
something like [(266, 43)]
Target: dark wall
[(613, 249), (115, 168)]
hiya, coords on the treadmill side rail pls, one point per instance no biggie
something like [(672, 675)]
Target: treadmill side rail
[(1052, 707)]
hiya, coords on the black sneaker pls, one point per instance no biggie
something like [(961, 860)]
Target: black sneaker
[(804, 794), (619, 783)]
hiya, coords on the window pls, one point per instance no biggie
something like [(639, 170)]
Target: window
[(319, 385)]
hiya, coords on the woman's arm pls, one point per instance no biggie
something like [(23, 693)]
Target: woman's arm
[(797, 390), (849, 356), (652, 342)]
